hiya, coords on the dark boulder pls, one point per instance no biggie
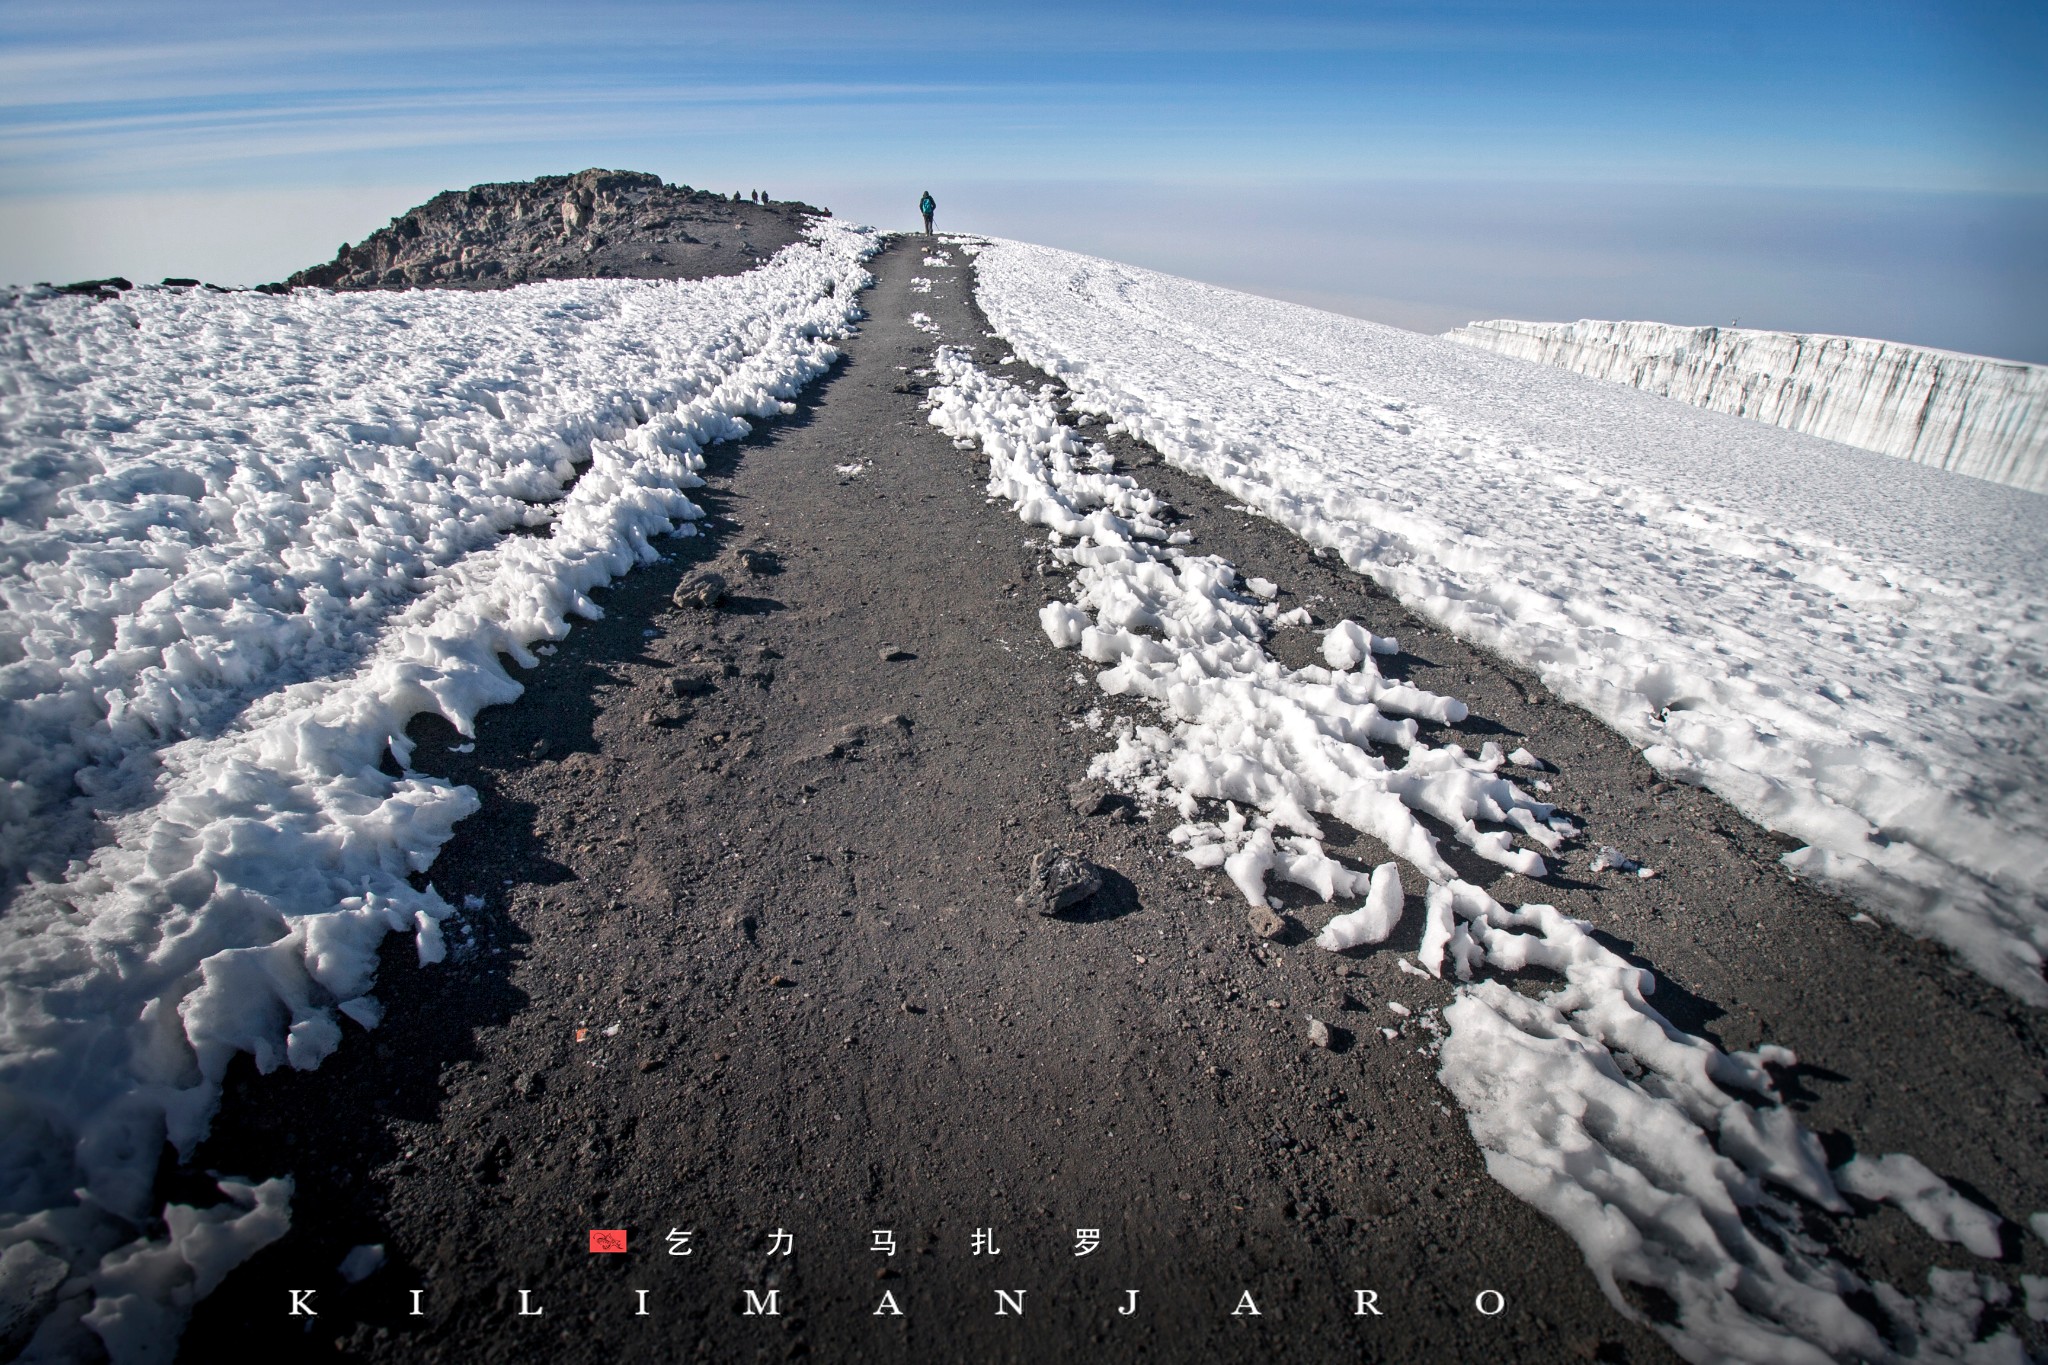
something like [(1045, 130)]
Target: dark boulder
[(596, 224)]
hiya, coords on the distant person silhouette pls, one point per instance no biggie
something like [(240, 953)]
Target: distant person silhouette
[(926, 206)]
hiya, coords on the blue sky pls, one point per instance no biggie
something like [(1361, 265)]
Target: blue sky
[(1872, 167)]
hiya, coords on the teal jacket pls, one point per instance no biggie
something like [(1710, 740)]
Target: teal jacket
[(926, 204)]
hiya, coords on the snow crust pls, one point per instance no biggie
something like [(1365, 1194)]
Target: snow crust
[(1924, 1197), (1849, 648), (1278, 746), (248, 539), (1967, 413), (1373, 922), (1674, 1165)]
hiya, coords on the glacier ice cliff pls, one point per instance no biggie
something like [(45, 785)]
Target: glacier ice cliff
[(1971, 414)]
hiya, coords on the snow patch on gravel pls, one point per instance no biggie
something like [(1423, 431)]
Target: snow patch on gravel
[(1674, 1165), (1249, 732), (1850, 649), (1924, 1197), (269, 532)]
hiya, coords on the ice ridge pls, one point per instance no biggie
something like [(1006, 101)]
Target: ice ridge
[(1967, 413)]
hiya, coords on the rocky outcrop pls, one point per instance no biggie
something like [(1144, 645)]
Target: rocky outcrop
[(610, 224), (1971, 414)]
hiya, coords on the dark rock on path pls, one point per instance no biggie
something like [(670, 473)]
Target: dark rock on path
[(1059, 881), (703, 591)]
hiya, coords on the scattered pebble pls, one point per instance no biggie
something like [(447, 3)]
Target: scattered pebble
[(1265, 922), (758, 561), (1318, 1032), (691, 682), (1091, 797)]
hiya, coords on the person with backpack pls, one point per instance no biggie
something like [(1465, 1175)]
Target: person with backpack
[(926, 206)]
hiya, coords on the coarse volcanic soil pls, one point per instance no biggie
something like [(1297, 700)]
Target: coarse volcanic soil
[(749, 959), (594, 224)]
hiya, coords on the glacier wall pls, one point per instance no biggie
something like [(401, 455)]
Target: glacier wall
[(1971, 414)]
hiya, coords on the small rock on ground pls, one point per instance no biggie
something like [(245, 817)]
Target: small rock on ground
[(703, 591), (1059, 881), (758, 561), (1091, 797)]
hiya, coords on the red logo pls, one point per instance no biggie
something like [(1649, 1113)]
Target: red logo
[(603, 1240)]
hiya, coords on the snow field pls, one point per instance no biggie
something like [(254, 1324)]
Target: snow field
[(273, 531), (1849, 648), (1671, 1163)]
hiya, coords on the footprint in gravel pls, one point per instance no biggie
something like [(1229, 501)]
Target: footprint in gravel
[(1059, 881)]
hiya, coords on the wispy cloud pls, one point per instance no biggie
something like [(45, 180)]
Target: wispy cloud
[(1288, 103), (1882, 93)]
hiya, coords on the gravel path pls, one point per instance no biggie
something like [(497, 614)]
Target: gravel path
[(748, 959)]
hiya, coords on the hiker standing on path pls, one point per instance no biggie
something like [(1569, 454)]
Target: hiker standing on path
[(925, 206)]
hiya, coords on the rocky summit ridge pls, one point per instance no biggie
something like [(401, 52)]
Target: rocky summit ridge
[(596, 223)]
